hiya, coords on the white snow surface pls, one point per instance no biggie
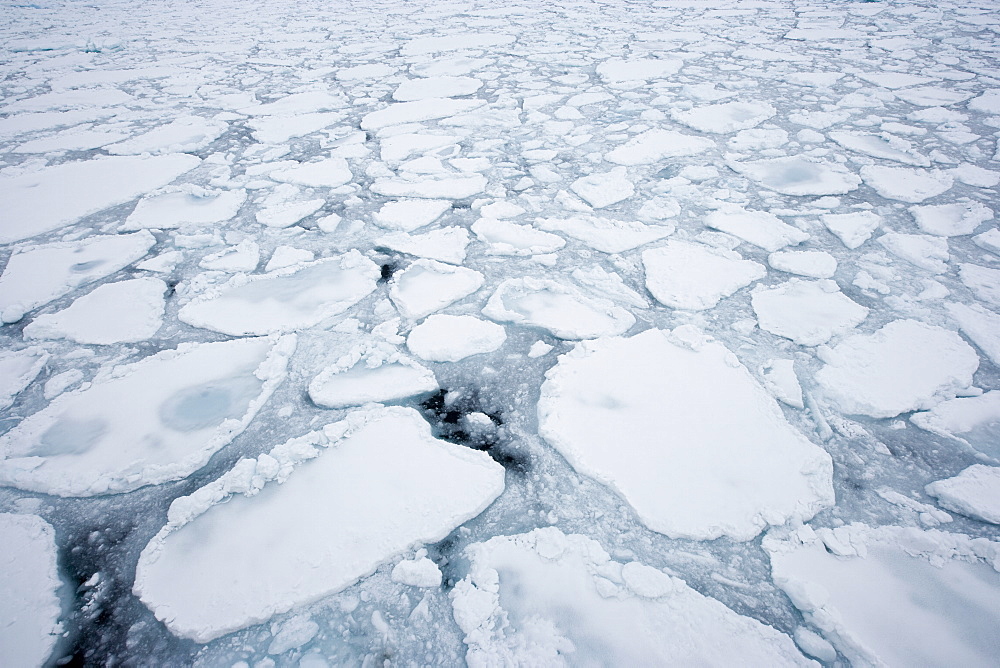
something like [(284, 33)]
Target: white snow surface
[(807, 312), (975, 492), (370, 373), (450, 338), (427, 286), (686, 275)]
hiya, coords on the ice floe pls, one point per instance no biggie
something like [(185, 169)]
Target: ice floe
[(654, 145), (180, 206), (798, 175), (693, 276), (905, 184), (951, 220), (507, 238), (972, 420), (975, 492), (407, 215), (759, 228), (605, 234), (183, 135), (427, 286), (450, 338), (807, 312), (726, 117), (370, 373), (17, 369), (853, 229), (811, 263), (604, 189), (447, 244)]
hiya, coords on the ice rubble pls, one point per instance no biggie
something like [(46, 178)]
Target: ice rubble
[(145, 423), (892, 595), (29, 578), (547, 598), (317, 513), (636, 414)]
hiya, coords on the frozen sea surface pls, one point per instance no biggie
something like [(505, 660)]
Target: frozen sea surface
[(598, 333)]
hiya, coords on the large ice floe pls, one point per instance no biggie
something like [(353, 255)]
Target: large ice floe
[(635, 413), (308, 519)]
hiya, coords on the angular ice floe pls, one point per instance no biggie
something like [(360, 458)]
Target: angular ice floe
[(296, 103), (988, 240), (279, 129), (884, 146), (447, 244), (780, 380), (853, 229), (807, 312), (905, 184), (183, 135), (506, 238), (179, 206), (983, 281), (975, 493), (29, 580), (451, 187), (617, 70), (987, 103), (604, 189), (905, 366), (976, 176), (654, 145), (893, 80), (397, 148), (328, 173), (567, 312), (798, 175), (972, 420), (686, 275), (811, 263), (979, 324), (17, 370), (726, 117), (427, 286), (39, 274), (407, 215), (641, 415), (244, 256), (53, 197), (545, 598), (759, 228), (285, 206), (605, 234), (370, 373), (421, 89), (333, 506), (454, 42), (417, 111), (126, 311), (285, 300), (145, 423), (933, 96), (450, 338), (894, 596), (921, 250), (951, 220)]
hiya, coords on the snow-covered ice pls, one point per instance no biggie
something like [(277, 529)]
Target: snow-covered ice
[(759, 228), (450, 338), (686, 275), (975, 492), (807, 312), (370, 373), (427, 286)]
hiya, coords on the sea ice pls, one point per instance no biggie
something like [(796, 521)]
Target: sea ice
[(798, 175), (447, 244), (436, 87), (370, 373), (655, 145), (604, 189), (979, 324), (618, 70), (725, 117), (972, 420), (145, 423), (183, 135), (921, 250), (407, 215), (427, 286), (450, 338), (983, 281), (951, 220), (811, 263), (975, 493), (605, 234), (507, 238), (853, 229), (807, 312), (327, 173), (884, 146), (692, 276), (905, 184), (759, 228), (180, 206)]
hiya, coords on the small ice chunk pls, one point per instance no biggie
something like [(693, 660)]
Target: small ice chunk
[(853, 229), (905, 184), (759, 228), (17, 369), (420, 572), (126, 311), (439, 87), (407, 215), (725, 117), (975, 493), (922, 250), (61, 382), (811, 263), (539, 349), (686, 473), (780, 380), (604, 189), (450, 338), (686, 275), (567, 312), (427, 286), (654, 145), (605, 234), (798, 175), (374, 373), (244, 256), (285, 300), (293, 634), (815, 645), (807, 312), (179, 206), (506, 238), (447, 244), (951, 220), (29, 579), (904, 366)]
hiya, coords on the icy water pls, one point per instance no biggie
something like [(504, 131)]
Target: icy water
[(429, 333)]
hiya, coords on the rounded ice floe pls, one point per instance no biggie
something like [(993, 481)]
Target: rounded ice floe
[(285, 300), (604, 189), (951, 220), (36, 275), (427, 286), (725, 117), (506, 238), (905, 366), (975, 492), (145, 423), (335, 505), (853, 229), (640, 414), (407, 215), (807, 312), (857, 584), (126, 311), (605, 234), (884, 146), (421, 89), (811, 263), (29, 580), (450, 338), (654, 145), (905, 184), (759, 228), (547, 598), (178, 206), (328, 173), (686, 275), (17, 370), (921, 250), (183, 135), (618, 70), (756, 139), (798, 175), (989, 240), (974, 175), (370, 373), (983, 281), (567, 312), (53, 197), (972, 420)]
